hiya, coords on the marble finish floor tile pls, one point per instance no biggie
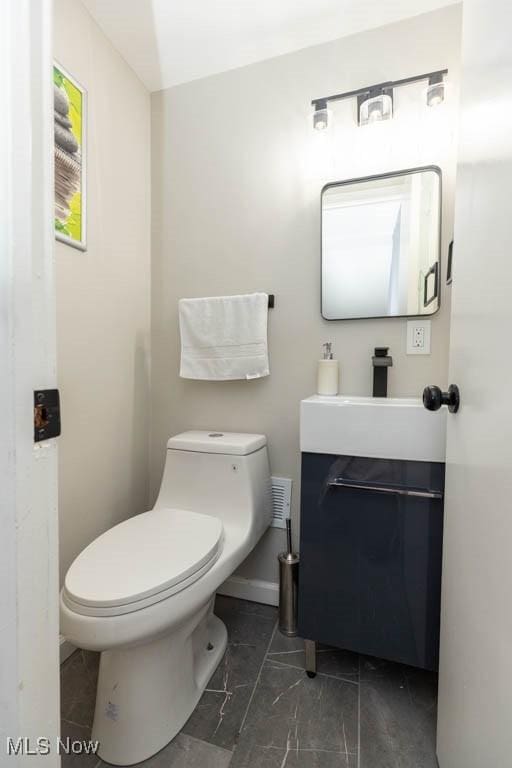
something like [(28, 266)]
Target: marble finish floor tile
[(76, 733), (79, 677), (260, 710), (231, 609), (398, 715), (218, 716), (330, 661), (186, 752), (297, 721), (270, 757)]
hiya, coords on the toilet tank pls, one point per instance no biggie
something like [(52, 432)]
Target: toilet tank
[(225, 474)]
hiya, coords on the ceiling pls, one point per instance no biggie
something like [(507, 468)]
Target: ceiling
[(168, 42)]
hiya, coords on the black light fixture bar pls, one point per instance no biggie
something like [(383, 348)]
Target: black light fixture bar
[(378, 88)]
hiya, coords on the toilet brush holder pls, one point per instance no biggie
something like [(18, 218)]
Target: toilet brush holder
[(288, 585)]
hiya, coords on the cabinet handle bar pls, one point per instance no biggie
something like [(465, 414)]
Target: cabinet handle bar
[(340, 483)]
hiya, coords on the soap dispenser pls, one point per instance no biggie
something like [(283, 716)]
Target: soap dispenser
[(328, 372)]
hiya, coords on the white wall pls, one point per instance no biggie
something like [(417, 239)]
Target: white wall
[(237, 173), (103, 295)]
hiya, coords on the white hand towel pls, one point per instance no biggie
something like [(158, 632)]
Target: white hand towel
[(224, 337)]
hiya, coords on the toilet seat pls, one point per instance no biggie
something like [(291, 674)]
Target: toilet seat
[(141, 561)]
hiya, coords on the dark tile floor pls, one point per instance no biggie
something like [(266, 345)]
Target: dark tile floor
[(260, 710)]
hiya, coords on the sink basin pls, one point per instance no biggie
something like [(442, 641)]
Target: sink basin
[(377, 427)]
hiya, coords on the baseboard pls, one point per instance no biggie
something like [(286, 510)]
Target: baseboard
[(66, 649), (255, 590)]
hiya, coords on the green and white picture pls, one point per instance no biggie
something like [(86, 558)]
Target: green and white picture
[(70, 101)]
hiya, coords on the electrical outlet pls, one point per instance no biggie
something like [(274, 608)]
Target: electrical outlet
[(418, 337)]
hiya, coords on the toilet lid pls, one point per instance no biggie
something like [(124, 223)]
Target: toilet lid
[(143, 556)]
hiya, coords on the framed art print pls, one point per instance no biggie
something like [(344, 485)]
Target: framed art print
[(70, 114)]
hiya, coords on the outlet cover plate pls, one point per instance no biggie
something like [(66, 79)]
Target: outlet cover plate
[(418, 337)]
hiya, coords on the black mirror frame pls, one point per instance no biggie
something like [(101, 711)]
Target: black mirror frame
[(389, 175)]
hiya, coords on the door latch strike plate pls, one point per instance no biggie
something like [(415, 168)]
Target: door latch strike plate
[(46, 414)]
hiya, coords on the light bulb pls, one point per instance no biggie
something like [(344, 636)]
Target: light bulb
[(375, 109), (374, 112), (321, 119), (435, 94)]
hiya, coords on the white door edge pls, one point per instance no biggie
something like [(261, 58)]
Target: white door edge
[(29, 648)]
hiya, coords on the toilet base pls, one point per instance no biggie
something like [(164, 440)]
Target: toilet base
[(147, 693)]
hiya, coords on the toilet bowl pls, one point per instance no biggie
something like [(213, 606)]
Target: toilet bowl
[(142, 593)]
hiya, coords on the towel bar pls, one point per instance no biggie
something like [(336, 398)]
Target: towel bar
[(419, 493)]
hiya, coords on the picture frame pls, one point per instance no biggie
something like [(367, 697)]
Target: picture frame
[(70, 159)]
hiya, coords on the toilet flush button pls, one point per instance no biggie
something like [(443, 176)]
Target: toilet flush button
[(216, 434)]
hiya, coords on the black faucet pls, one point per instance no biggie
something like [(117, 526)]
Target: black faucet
[(381, 362)]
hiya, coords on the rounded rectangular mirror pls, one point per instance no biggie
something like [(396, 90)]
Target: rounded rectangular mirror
[(381, 245)]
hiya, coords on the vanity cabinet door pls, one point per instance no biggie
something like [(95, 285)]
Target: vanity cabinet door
[(370, 570)]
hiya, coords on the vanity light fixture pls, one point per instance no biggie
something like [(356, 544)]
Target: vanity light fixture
[(375, 102)]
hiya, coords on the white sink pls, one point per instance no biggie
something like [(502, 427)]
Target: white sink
[(377, 427)]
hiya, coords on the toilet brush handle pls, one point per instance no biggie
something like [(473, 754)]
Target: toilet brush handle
[(289, 535)]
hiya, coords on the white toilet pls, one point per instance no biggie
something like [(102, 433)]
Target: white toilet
[(143, 592)]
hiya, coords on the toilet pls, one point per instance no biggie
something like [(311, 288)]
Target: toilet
[(143, 592)]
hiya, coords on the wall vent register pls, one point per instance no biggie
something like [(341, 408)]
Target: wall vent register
[(281, 500)]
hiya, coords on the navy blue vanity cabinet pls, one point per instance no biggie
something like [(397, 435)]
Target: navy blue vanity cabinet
[(370, 573)]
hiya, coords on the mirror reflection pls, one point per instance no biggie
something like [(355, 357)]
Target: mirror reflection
[(381, 245)]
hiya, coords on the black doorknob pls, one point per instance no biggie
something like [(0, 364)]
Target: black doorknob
[(434, 398)]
